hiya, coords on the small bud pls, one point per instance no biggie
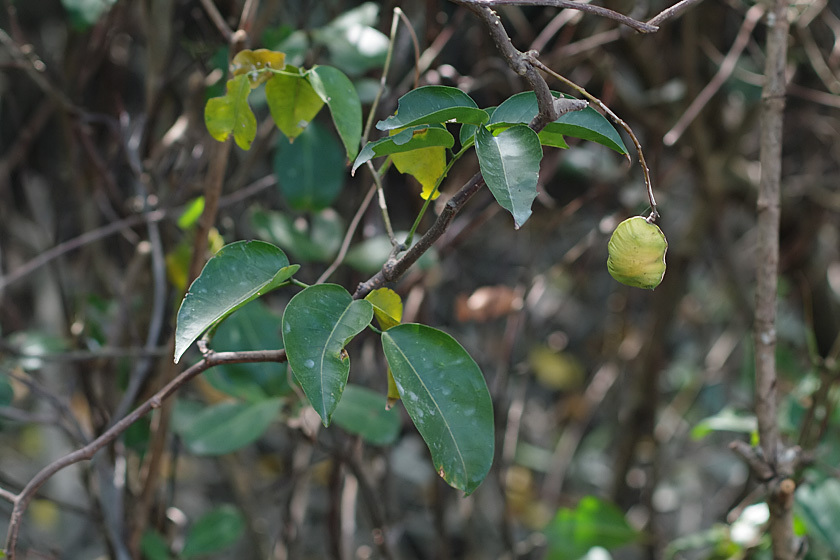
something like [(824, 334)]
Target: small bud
[(637, 253)]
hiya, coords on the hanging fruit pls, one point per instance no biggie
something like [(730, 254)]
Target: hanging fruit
[(637, 253)]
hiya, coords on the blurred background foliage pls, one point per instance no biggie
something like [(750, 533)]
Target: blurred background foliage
[(614, 406)]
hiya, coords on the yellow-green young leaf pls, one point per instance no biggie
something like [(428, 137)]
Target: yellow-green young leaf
[(252, 63), (231, 114), (637, 253), (293, 103), (426, 164), (387, 307)]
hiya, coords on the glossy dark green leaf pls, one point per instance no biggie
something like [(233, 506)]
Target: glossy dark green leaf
[(228, 426), (310, 171), (510, 164), (254, 327), (337, 91), (315, 239), (317, 325), (434, 105), (237, 274), (214, 531), (412, 138), (587, 124), (466, 136), (292, 102), (446, 397), (231, 114), (594, 522), (362, 412), (819, 507)]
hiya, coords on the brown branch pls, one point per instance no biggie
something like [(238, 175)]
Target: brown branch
[(674, 11), (21, 500)]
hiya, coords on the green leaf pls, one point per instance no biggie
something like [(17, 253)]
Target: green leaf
[(292, 102), (587, 124), (819, 507), (369, 255), (316, 239), (238, 273), (337, 91), (446, 397), (412, 138), (352, 40), (214, 531), (85, 13), (317, 325), (594, 522), (510, 164), (310, 171), (7, 393), (252, 63), (254, 327), (387, 307), (362, 412), (232, 114), (191, 213), (434, 105), (727, 420), (154, 547), (228, 426)]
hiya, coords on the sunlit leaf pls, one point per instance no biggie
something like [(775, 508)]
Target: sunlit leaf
[(445, 394), (353, 41), (250, 63), (237, 274), (231, 114), (317, 325), (426, 165), (191, 213), (387, 307), (510, 165), (434, 105), (292, 102)]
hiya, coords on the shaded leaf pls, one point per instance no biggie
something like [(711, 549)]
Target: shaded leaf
[(446, 397), (316, 239), (362, 412), (292, 102), (237, 274), (228, 426), (337, 91), (317, 325), (310, 172), (251, 63), (510, 164), (434, 105), (819, 507), (231, 114), (412, 138), (594, 522), (85, 13), (154, 547), (214, 531)]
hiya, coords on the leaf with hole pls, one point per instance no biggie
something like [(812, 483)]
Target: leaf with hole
[(238, 273), (445, 394), (434, 105), (510, 165), (337, 91), (317, 324), (231, 114)]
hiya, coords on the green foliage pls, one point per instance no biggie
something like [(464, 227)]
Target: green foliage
[(292, 102), (362, 412), (85, 13), (238, 273), (315, 239), (231, 114), (317, 325), (510, 165), (434, 105), (213, 532), (447, 399), (593, 522), (818, 506), (411, 138), (227, 426), (338, 92)]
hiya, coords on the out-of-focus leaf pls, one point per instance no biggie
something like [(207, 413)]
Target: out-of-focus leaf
[(31, 345), (317, 325), (556, 370), (191, 213), (239, 273), (445, 394), (85, 13), (231, 114), (410, 139), (250, 63), (510, 164), (292, 102), (369, 255), (362, 412), (7, 393), (434, 105), (727, 420), (337, 91), (593, 522), (228, 426), (819, 507), (310, 171), (214, 531), (316, 239), (355, 45), (154, 547), (254, 327)]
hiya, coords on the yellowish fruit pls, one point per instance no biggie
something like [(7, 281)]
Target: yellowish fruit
[(637, 253)]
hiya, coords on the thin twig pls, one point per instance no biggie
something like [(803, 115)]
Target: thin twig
[(642, 162), (383, 205), (750, 20), (348, 237), (674, 11), (414, 42), (218, 20), (212, 359), (639, 26)]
